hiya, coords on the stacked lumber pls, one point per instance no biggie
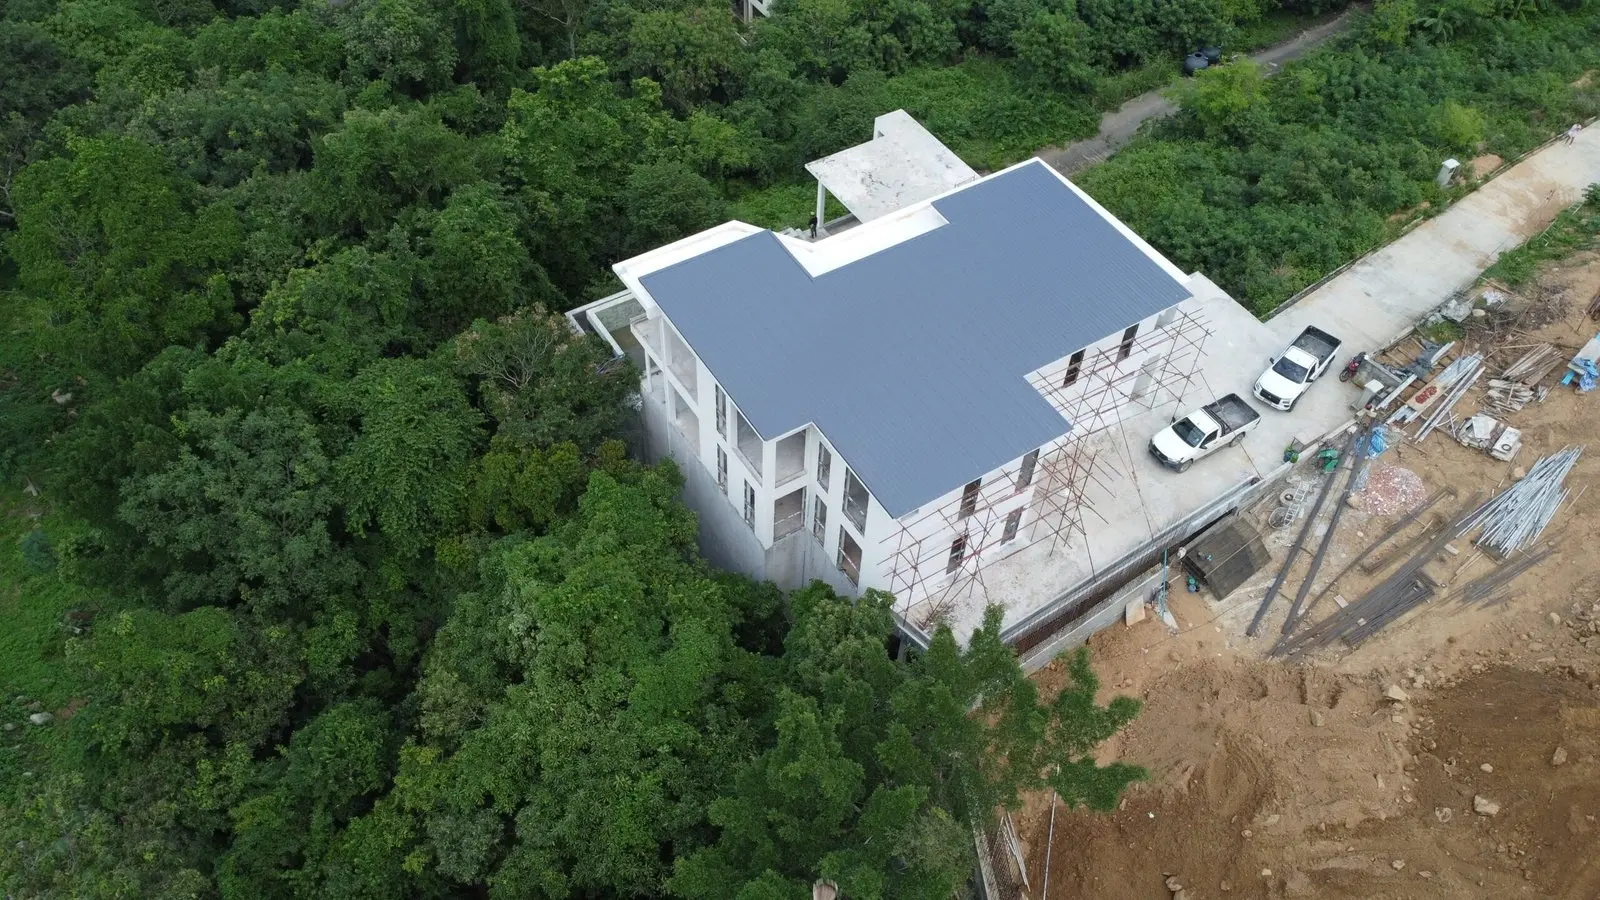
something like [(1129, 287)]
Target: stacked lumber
[(1510, 396), (1533, 366)]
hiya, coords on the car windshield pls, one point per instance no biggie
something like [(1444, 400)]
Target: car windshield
[(1291, 370), (1188, 432)]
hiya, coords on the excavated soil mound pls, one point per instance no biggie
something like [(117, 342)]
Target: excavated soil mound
[(1275, 782)]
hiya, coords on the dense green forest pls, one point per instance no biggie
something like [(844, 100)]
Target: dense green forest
[(1267, 185), (328, 570)]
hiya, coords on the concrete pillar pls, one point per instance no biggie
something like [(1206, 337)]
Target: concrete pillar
[(822, 205)]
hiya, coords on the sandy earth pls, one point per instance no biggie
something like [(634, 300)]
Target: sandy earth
[(1299, 779)]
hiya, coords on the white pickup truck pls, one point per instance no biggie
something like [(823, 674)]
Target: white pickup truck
[(1291, 373), (1203, 432)]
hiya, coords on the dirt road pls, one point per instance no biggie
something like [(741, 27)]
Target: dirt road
[(1119, 126), (1274, 779)]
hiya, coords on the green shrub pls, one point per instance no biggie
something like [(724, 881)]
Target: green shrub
[(1268, 186)]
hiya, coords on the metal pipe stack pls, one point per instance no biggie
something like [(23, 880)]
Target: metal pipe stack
[(1514, 519), (1472, 367)]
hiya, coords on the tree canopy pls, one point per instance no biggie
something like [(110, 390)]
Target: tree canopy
[(374, 596)]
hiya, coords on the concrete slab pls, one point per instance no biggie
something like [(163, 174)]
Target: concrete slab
[(1367, 306), (1133, 497)]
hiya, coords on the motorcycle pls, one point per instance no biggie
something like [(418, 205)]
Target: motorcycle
[(1352, 367)]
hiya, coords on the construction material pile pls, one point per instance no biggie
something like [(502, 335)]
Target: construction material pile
[(1511, 396), (1408, 587), (1514, 520), (1391, 490), (1493, 586), (1532, 367), (1454, 382)]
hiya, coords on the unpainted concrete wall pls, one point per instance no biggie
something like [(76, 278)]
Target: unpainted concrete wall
[(725, 540), (1106, 613)]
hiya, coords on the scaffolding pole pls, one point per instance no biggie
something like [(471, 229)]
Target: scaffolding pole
[(926, 573)]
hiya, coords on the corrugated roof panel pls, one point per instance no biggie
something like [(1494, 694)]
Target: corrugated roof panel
[(913, 361)]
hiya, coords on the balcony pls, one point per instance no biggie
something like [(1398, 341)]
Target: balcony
[(849, 557), (684, 417), (748, 443), (856, 500), (791, 458), (664, 344), (644, 331), (682, 362), (789, 514)]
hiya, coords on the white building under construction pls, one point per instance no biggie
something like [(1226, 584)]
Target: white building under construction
[(903, 400)]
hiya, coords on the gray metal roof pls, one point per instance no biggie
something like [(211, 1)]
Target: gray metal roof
[(912, 361)]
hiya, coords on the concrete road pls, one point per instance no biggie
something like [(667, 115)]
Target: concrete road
[(1119, 126)]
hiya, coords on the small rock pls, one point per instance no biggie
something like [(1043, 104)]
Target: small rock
[(1318, 719), (1175, 656), (1397, 719), (1443, 814), (10, 726), (1173, 884), (1558, 757), (1394, 694), (1535, 647), (1398, 864), (1225, 886), (1487, 769), (1425, 873), (40, 718), (35, 706), (1519, 473), (1247, 833), (1266, 873), (1483, 806), (1180, 894), (1555, 618)]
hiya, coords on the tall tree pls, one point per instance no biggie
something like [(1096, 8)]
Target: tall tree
[(121, 256), (878, 767)]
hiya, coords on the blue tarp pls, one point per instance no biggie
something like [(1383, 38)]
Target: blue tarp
[(1588, 377), (1377, 442)]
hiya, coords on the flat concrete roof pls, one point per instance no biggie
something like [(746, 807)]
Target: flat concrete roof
[(913, 358), (902, 164)]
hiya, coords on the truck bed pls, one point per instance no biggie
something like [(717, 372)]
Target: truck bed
[(1318, 343), (1231, 412)]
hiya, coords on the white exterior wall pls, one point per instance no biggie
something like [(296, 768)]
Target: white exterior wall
[(884, 535), (1157, 343)]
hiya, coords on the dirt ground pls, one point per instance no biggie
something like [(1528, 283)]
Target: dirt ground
[(1298, 778)]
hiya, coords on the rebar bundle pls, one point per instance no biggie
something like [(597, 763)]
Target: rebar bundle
[(1395, 596), (1492, 584), (1515, 518)]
